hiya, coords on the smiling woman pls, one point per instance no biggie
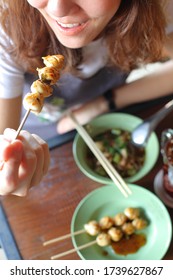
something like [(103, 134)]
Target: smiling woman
[(117, 21), (102, 41)]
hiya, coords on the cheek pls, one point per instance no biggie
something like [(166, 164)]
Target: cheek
[(38, 4), (100, 8)]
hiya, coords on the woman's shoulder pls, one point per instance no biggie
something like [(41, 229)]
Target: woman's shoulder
[(5, 55), (12, 74)]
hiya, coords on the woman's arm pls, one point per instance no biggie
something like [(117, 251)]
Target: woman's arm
[(154, 85)]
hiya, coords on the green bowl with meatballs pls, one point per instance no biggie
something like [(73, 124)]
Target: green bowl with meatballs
[(112, 134), (117, 228)]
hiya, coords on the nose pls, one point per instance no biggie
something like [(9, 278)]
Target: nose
[(61, 8)]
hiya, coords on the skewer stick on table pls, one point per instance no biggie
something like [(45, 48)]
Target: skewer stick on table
[(60, 238), (91, 243)]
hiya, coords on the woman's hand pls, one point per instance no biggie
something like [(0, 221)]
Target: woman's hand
[(23, 162), (83, 114)]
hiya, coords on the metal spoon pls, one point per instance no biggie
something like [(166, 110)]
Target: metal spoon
[(141, 133)]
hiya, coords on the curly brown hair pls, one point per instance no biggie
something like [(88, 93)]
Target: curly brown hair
[(135, 34)]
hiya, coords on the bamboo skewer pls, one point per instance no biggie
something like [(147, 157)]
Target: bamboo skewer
[(63, 237), (113, 174), (73, 250), (22, 123), (18, 131)]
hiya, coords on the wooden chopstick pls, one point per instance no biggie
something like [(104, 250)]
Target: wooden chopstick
[(73, 250), (63, 237), (113, 174)]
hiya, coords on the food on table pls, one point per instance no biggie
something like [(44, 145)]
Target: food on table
[(129, 245), (139, 223), (106, 222), (122, 229), (103, 239), (128, 228), (92, 228), (120, 219), (115, 233), (41, 88), (116, 145), (131, 213)]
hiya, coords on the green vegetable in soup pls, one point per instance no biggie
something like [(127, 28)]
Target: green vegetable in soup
[(115, 144)]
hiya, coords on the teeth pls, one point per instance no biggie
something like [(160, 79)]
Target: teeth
[(68, 25)]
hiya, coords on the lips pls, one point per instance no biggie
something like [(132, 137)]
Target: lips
[(68, 25), (71, 29)]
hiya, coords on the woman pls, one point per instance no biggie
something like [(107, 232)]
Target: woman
[(102, 41)]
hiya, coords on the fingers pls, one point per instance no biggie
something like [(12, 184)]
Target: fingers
[(36, 157), (25, 162), (46, 153), (65, 125), (9, 170)]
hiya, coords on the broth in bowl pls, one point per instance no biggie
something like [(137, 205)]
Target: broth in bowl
[(116, 145)]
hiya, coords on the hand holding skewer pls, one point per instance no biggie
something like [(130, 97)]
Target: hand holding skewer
[(40, 89)]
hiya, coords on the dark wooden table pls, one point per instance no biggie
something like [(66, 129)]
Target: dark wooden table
[(47, 211)]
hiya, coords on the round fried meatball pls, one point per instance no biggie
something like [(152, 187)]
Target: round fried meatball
[(128, 228), (106, 222), (92, 228), (115, 233), (120, 219), (139, 223), (131, 213), (103, 239)]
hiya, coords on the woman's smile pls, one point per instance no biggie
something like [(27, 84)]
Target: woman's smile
[(77, 23), (71, 29)]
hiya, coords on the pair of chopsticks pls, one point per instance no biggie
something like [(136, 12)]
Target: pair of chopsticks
[(111, 171)]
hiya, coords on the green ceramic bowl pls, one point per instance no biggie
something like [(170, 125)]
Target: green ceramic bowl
[(114, 120), (108, 201)]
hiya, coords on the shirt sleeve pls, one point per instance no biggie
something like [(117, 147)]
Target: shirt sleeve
[(11, 74)]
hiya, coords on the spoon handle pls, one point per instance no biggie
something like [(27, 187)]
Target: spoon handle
[(160, 115), (142, 132)]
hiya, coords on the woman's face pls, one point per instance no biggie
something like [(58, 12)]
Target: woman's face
[(76, 22)]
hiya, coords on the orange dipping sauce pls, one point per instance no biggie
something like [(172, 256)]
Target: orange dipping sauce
[(129, 245)]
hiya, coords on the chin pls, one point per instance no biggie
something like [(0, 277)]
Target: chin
[(74, 43)]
